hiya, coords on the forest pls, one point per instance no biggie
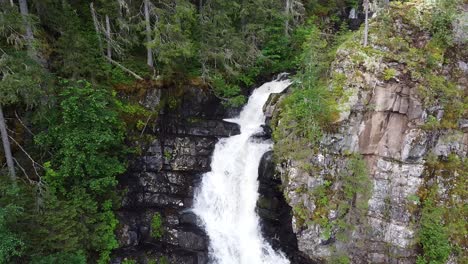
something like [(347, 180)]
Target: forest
[(65, 120)]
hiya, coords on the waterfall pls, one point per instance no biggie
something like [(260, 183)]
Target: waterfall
[(227, 197)]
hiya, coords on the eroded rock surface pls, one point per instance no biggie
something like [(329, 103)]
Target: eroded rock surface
[(385, 121), (162, 178)]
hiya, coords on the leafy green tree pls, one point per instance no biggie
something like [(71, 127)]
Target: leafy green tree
[(22, 79), (86, 137)]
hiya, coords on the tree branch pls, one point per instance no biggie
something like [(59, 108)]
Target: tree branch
[(138, 77)]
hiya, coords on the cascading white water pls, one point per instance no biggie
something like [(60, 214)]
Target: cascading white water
[(228, 194)]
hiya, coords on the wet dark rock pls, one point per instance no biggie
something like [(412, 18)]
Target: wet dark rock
[(191, 240), (275, 213), (162, 179), (264, 134), (199, 127), (189, 218)]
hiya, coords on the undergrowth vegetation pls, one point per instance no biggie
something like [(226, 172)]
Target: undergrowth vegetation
[(442, 230), (311, 107)]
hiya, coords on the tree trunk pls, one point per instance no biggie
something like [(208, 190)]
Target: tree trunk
[(243, 22), (6, 146), (5, 1), (148, 35), (96, 25), (138, 77), (366, 22), (108, 36), (23, 4), (287, 12)]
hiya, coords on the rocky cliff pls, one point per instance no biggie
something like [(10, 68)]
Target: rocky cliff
[(400, 140), (155, 222)]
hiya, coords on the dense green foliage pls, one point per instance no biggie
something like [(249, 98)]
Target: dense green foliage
[(432, 235), (311, 107), (443, 214), (86, 138), (10, 244), (72, 216)]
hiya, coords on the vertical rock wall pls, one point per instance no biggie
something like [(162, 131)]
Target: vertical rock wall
[(385, 118), (161, 180)]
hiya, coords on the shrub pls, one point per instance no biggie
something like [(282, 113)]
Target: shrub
[(433, 236), (389, 73)]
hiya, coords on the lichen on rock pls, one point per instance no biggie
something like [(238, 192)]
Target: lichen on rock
[(401, 102)]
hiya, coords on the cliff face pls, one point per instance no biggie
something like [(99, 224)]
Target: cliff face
[(402, 120), (155, 223)]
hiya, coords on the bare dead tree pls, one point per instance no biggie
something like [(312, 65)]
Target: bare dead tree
[(294, 12), (7, 146), (108, 36), (96, 24), (138, 77), (149, 51), (23, 4), (98, 30)]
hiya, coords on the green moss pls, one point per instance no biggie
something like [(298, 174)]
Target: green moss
[(301, 213), (424, 61), (157, 228), (389, 74), (167, 155), (348, 199), (163, 260), (340, 259), (431, 123), (263, 202), (194, 120)]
